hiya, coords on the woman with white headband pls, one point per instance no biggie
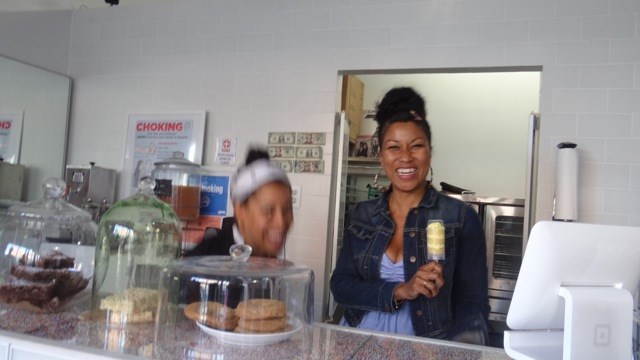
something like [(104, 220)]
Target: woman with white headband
[(261, 195)]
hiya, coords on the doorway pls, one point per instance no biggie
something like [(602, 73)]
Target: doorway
[(480, 119)]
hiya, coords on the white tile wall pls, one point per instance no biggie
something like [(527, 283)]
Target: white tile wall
[(258, 66)]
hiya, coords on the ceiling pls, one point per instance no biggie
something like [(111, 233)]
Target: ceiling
[(43, 5)]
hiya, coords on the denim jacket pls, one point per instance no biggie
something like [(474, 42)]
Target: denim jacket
[(461, 306)]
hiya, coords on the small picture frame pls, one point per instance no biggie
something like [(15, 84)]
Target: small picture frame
[(364, 146)]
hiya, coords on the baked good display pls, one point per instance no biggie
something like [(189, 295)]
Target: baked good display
[(255, 302), (133, 305), (43, 281)]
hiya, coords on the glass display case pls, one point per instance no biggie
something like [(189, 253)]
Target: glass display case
[(136, 238), (48, 249), (236, 302)]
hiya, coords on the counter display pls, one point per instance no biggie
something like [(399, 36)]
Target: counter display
[(64, 336)]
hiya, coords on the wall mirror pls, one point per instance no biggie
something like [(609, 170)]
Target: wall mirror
[(43, 97)]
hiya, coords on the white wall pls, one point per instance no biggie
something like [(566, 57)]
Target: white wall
[(479, 124), (260, 65), (39, 38)]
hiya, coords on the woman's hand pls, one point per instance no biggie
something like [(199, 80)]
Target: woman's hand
[(426, 281)]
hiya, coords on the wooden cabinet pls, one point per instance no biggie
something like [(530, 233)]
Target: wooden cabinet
[(352, 99)]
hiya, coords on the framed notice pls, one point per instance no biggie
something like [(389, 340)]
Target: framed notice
[(10, 136), (155, 137)]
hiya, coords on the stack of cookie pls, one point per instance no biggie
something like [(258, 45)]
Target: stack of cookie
[(261, 316)]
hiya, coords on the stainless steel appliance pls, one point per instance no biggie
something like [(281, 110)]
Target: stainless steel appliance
[(504, 225), (504, 230), (92, 188)]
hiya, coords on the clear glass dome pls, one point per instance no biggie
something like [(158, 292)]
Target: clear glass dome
[(209, 303), (136, 238), (48, 251)]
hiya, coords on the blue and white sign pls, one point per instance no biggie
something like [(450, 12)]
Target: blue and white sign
[(214, 195)]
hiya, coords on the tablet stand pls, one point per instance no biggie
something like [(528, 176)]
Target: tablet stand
[(598, 324)]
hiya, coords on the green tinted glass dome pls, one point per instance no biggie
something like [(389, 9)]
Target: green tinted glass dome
[(136, 238)]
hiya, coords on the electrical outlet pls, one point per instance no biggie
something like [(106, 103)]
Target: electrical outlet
[(296, 195)]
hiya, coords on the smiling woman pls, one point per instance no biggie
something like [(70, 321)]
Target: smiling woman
[(263, 213), (383, 278)]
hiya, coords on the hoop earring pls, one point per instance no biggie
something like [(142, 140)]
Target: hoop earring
[(430, 181), (377, 186)]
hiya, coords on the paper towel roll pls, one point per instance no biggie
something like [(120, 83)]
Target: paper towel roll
[(566, 194)]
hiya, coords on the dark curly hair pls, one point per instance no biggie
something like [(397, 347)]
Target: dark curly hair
[(402, 104), (256, 153)]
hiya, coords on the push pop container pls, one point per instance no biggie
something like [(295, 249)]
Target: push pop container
[(178, 184), (137, 237), (211, 306), (47, 252)]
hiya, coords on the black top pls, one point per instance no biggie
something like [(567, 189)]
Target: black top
[(215, 241)]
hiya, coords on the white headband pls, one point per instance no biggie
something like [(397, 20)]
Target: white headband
[(251, 177)]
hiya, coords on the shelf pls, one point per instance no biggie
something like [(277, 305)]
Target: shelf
[(361, 166)]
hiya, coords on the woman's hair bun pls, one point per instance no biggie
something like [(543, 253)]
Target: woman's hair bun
[(400, 100), (256, 154)]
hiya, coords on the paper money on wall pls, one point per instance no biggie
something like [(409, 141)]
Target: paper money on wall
[(309, 152), (285, 138), (285, 165), (277, 152), (309, 166), (311, 138)]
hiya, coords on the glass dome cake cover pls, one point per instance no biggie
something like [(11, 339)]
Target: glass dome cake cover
[(256, 302), (47, 251), (136, 238)]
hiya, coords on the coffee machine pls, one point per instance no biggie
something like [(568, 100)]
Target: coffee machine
[(92, 188)]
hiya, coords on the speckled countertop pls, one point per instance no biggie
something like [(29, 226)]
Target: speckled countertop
[(323, 341)]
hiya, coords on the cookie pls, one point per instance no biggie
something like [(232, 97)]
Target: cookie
[(212, 314), (261, 326), (256, 309)]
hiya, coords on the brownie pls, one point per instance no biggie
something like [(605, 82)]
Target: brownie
[(54, 260), (52, 304), (43, 280), (71, 285), (38, 274), (68, 282), (28, 258), (35, 292)]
